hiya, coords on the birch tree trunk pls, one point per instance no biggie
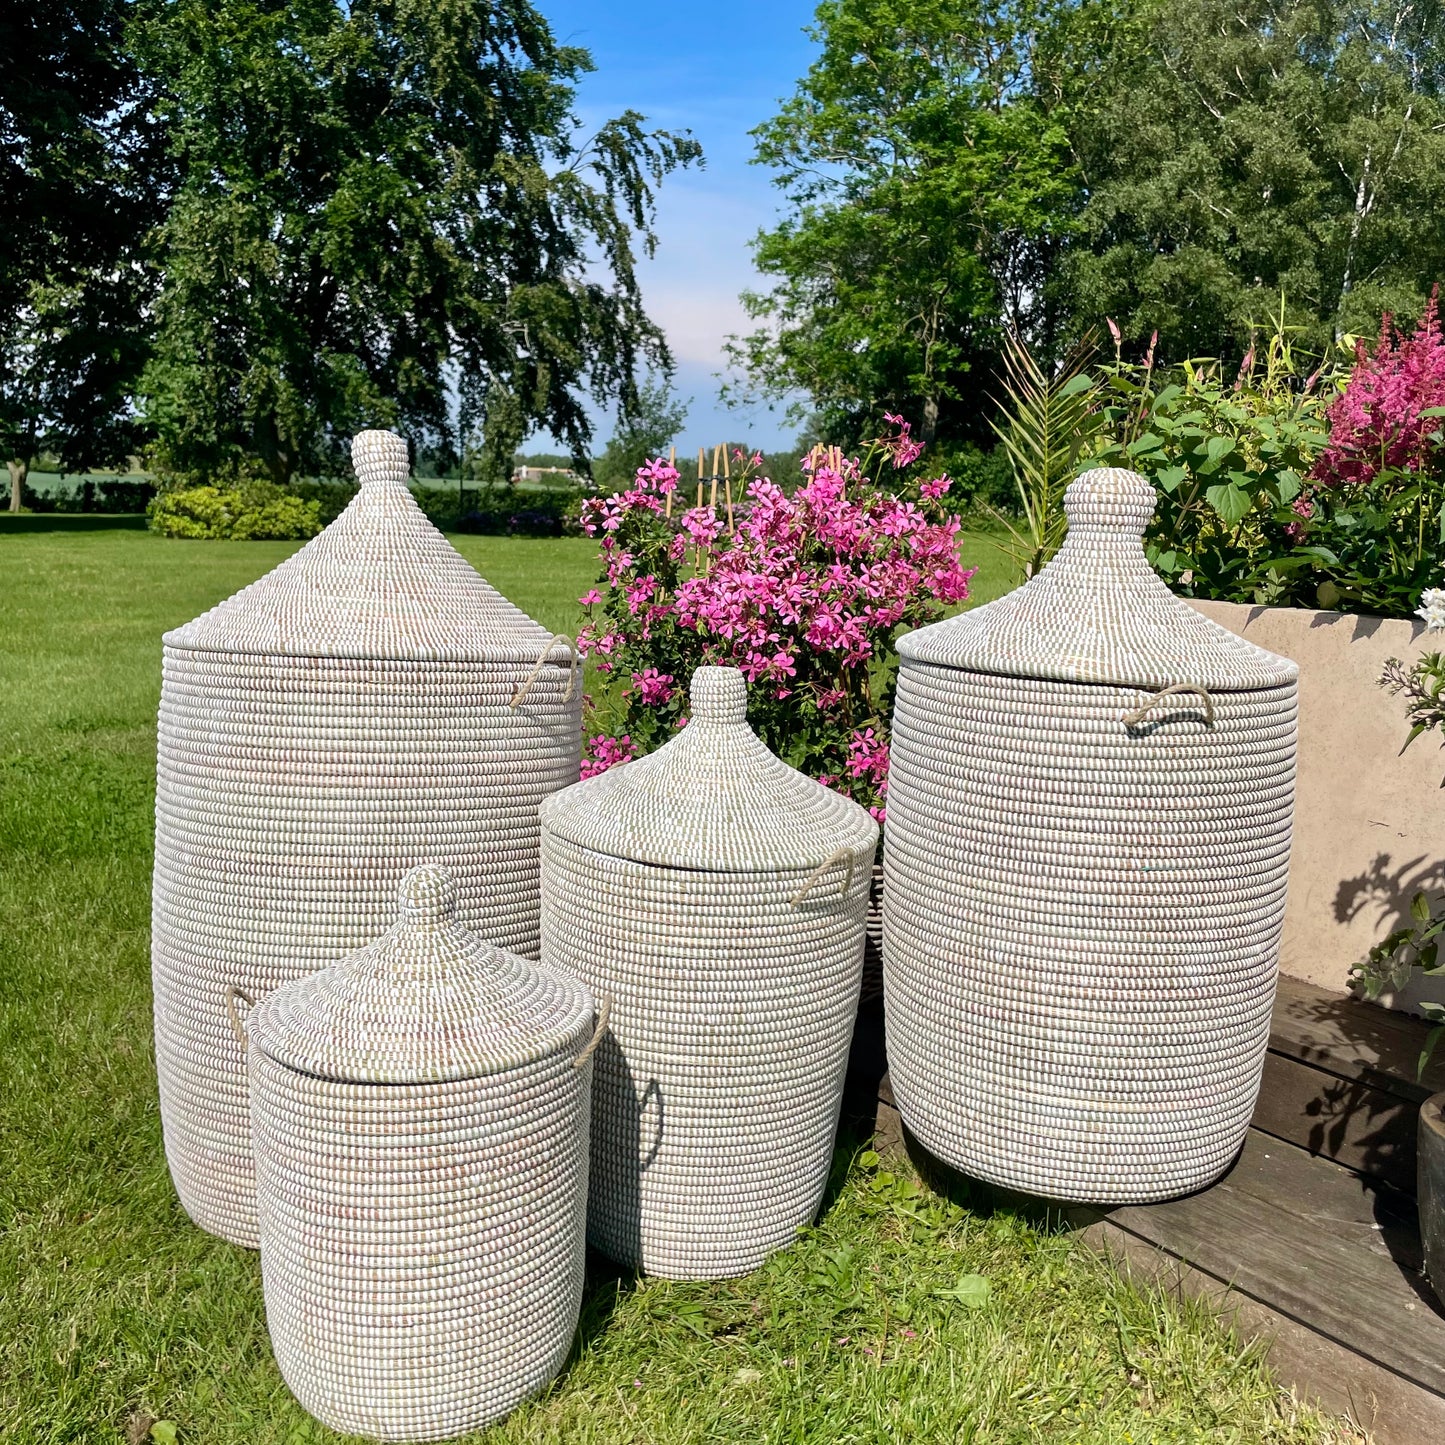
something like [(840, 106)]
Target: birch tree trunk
[(19, 470)]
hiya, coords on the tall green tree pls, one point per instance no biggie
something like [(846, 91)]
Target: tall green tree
[(926, 159), (82, 170), (659, 417), (1249, 147), (384, 217)]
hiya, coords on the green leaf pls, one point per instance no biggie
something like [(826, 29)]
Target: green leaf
[(1429, 1049), (163, 1432), (971, 1291), (1420, 908), (1232, 503), (1149, 442)]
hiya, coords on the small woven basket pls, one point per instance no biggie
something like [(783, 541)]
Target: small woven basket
[(369, 705), (420, 1113), (719, 897), (1089, 811)]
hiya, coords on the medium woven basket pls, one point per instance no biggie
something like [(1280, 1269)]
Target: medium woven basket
[(420, 1113), (369, 705), (719, 897), (1089, 817)]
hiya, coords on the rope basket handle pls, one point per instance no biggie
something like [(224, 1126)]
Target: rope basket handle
[(238, 1026), (604, 1012), (519, 694), (837, 856), (1141, 713)]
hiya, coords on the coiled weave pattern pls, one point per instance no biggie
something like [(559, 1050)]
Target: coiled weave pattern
[(1082, 916), (718, 1085), (329, 727), (422, 1229)]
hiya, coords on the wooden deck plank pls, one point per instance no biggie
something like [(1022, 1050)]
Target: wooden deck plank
[(1365, 1128), (1310, 1253), (1354, 1040), (1393, 1410)]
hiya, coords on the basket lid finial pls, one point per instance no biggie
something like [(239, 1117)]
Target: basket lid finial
[(381, 459), (1110, 498), (428, 896), (719, 695)]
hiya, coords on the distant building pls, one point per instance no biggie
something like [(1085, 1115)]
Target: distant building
[(544, 474)]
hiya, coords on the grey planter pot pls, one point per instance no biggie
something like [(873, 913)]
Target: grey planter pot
[(1431, 1190)]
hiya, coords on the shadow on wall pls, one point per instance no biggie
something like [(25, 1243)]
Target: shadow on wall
[(1382, 895)]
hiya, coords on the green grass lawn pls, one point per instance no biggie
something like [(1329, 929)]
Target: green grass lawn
[(115, 1311)]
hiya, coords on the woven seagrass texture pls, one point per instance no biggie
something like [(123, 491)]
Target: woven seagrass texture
[(295, 789), (718, 1085), (1082, 914), (422, 1179)]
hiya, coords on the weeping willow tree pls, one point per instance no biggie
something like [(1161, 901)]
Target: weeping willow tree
[(386, 215)]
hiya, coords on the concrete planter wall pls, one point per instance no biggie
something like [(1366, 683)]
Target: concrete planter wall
[(1369, 829)]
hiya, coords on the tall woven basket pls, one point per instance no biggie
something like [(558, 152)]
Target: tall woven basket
[(719, 897), (369, 705), (420, 1114), (1088, 833)]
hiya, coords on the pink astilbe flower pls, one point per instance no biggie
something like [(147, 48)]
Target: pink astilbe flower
[(1304, 509), (1376, 422), (601, 753)]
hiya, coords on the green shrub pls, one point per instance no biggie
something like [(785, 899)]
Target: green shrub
[(250, 512), (332, 498), (504, 511), (1230, 459)]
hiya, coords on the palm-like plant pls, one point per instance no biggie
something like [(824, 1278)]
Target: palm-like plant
[(1050, 421)]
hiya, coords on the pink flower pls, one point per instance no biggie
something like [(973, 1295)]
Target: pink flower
[(867, 755), (590, 599), (601, 753), (656, 475), (932, 491), (654, 687), (1376, 421), (902, 448), (1304, 509)]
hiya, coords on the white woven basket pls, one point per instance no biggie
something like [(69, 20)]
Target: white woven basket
[(369, 705), (719, 897), (1089, 816), (420, 1113)]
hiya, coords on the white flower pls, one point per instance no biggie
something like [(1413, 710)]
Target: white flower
[(1432, 608)]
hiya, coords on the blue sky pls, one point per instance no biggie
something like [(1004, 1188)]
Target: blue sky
[(717, 70)]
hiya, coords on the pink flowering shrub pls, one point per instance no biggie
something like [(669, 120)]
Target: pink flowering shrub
[(805, 595), (1387, 417)]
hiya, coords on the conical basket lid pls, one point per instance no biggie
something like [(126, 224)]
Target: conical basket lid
[(1099, 613), (713, 799), (379, 582), (426, 1003)]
